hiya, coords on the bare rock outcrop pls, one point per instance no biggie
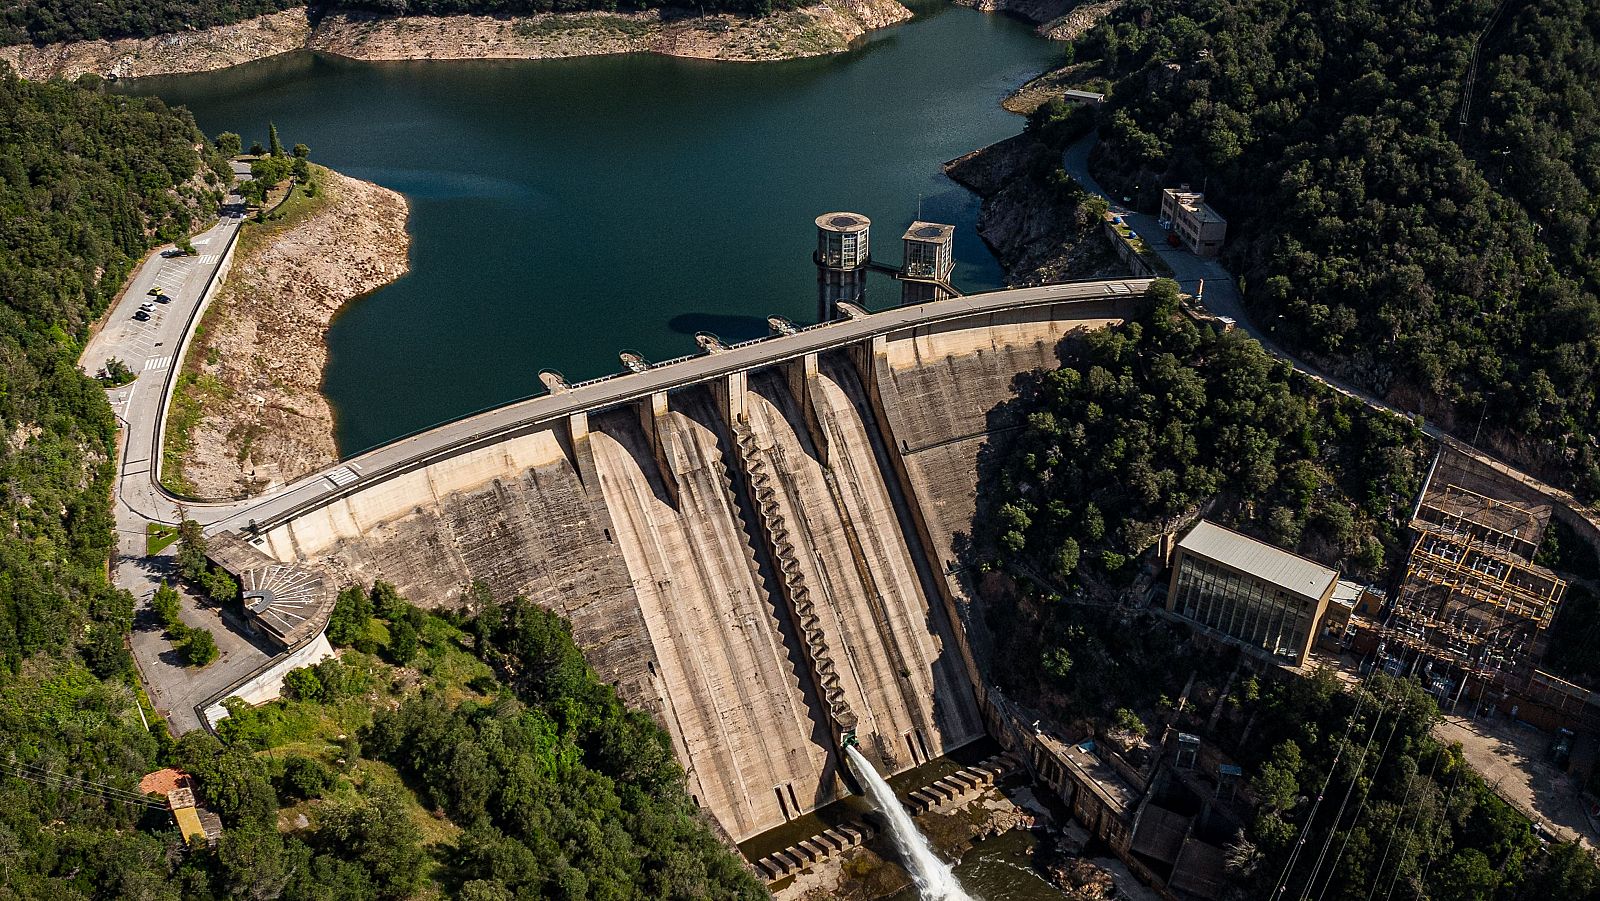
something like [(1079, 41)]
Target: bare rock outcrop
[(827, 27), (262, 354), (1037, 236), (202, 50), (1038, 11), (1077, 21), (1060, 20), (824, 28)]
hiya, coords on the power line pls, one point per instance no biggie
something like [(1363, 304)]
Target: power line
[(1460, 765), (85, 786), (1400, 811), (1349, 790), (1410, 830), (1305, 830), (1365, 797), (104, 791)]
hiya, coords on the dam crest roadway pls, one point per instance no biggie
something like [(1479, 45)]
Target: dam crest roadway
[(755, 544)]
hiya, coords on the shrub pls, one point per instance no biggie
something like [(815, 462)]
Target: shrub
[(305, 777), (199, 647)]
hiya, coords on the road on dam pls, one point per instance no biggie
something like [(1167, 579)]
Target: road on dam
[(141, 492)]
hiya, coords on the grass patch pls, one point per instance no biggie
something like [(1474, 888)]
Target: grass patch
[(298, 207), (558, 25), (158, 537), (194, 392)]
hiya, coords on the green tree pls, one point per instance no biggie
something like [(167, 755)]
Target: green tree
[(219, 586), (164, 604), (302, 684), (275, 146), (229, 144), (199, 647), (306, 777), (1467, 876), (191, 554), (118, 373), (350, 621), (377, 833), (402, 642), (251, 863), (1277, 784)]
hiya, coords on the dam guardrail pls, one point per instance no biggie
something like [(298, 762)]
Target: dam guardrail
[(535, 411)]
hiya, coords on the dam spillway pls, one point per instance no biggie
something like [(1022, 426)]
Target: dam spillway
[(755, 545), (904, 683), (730, 681)]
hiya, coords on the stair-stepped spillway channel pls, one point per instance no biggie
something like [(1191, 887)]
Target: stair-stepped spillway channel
[(735, 696), (764, 488), (902, 678)]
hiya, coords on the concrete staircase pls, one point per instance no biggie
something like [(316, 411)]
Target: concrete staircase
[(763, 489), (953, 790)]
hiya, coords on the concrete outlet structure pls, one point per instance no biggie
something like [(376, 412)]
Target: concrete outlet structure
[(756, 545), (929, 249), (844, 250)]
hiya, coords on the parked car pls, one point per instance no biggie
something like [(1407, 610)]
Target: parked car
[(141, 315), (154, 291), (162, 298)]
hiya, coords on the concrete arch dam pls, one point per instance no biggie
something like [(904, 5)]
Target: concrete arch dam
[(755, 544)]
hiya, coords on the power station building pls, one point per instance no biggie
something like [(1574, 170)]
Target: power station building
[(1258, 595)]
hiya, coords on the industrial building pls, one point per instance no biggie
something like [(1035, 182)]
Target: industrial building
[(1198, 227), (1257, 595), (1473, 605)]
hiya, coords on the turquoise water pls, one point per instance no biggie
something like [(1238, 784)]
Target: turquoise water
[(564, 210)]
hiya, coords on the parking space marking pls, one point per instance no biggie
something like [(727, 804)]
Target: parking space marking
[(157, 363)]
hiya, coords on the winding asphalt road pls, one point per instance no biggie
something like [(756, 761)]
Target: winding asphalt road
[(151, 349)]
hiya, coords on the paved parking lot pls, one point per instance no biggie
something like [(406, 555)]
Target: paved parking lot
[(175, 689), (1512, 759)]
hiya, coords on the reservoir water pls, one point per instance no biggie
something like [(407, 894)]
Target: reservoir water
[(564, 210)]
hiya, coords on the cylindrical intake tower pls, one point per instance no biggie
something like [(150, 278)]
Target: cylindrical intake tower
[(843, 251)]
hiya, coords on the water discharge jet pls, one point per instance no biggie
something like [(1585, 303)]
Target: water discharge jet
[(934, 879)]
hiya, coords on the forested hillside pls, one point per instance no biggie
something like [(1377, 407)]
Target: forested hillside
[(87, 183), (1450, 266), (55, 21), (1163, 419), (537, 781)]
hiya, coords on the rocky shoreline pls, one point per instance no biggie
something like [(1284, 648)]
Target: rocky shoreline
[(1060, 20), (261, 354), (824, 28), (1038, 235)]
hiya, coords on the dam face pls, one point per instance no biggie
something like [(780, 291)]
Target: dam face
[(764, 560)]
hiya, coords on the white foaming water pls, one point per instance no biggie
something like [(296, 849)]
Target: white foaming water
[(934, 879)]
